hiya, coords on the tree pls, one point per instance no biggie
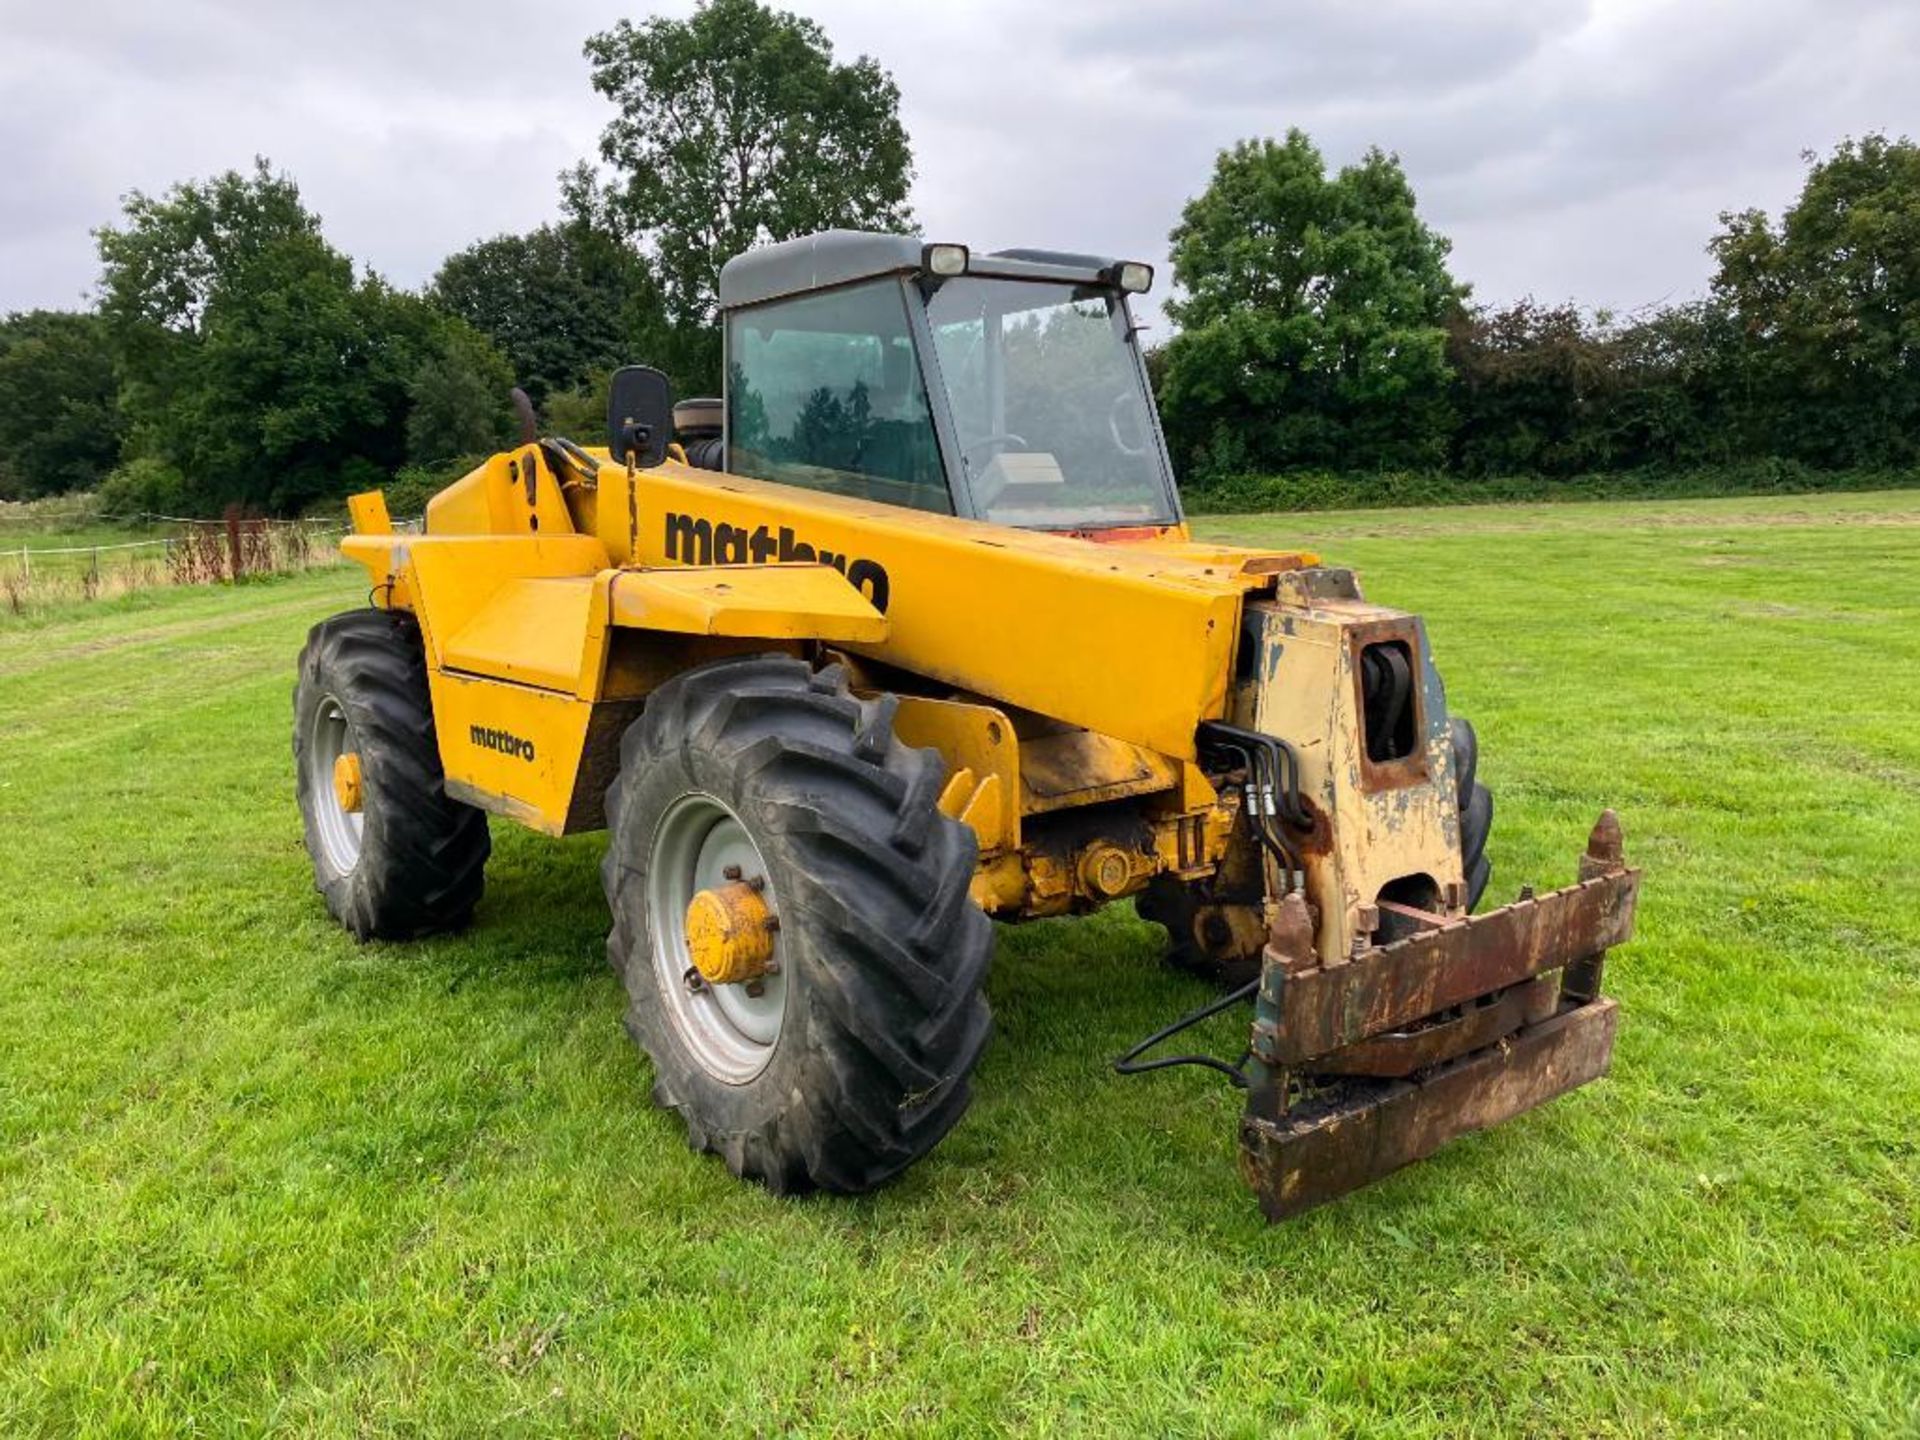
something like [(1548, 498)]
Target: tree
[(162, 266), (1550, 390), (1527, 380), (60, 421), (252, 359), (736, 127), (1828, 308), (1312, 317), (563, 302), (1672, 401), (459, 398), (581, 414)]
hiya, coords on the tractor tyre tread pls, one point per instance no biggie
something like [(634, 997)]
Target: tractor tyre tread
[(423, 855), (885, 952)]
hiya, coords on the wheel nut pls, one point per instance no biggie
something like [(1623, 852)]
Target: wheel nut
[(694, 981), (731, 872)]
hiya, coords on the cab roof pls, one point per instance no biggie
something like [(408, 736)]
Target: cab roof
[(839, 257)]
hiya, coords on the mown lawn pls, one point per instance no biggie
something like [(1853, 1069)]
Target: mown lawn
[(255, 1177)]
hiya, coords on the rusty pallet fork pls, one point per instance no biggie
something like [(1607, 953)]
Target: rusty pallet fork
[(1361, 1067), (1357, 1068)]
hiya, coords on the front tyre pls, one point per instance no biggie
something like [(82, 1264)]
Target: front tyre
[(791, 919), (393, 855)]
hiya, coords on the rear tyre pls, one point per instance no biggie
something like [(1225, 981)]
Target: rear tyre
[(408, 861), (853, 1058), (1476, 810), (1200, 940)]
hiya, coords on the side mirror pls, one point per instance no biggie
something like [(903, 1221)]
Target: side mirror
[(639, 416)]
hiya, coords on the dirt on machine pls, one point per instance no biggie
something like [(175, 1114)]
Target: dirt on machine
[(905, 634)]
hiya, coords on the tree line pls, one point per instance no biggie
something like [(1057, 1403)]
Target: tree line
[(1320, 327), (235, 356)]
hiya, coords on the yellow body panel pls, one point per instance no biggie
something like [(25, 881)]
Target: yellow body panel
[(511, 749), (1078, 767), (980, 607), (773, 602), (452, 578), (983, 762), (515, 492), (368, 511), (533, 632)]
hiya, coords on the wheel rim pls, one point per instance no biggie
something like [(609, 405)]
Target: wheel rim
[(698, 845), (340, 830)]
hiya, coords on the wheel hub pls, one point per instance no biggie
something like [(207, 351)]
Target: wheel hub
[(713, 920), (346, 782), (730, 934)]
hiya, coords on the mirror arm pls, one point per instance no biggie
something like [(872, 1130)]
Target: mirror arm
[(523, 407)]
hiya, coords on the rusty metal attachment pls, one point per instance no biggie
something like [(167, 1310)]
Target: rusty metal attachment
[(1360, 1067)]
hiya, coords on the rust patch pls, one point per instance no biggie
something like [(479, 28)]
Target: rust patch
[(1392, 986), (1370, 1128), (1314, 839), (1394, 1054)]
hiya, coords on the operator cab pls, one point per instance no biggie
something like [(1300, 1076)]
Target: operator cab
[(1007, 387)]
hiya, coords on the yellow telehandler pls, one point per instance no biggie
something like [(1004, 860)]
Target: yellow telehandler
[(905, 633)]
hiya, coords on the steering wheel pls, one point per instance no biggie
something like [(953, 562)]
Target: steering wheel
[(1120, 402), (1003, 439)]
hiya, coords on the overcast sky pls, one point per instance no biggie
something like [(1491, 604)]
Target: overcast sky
[(1572, 149)]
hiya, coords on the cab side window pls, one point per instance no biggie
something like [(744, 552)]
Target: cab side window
[(824, 391)]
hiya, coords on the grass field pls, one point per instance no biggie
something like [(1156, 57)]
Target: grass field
[(255, 1177)]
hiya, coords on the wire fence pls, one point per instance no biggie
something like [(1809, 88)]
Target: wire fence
[(247, 544), (198, 552)]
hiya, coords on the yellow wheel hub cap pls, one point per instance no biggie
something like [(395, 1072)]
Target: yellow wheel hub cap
[(346, 782), (730, 934)]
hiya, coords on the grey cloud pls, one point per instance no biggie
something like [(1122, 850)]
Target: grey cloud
[(1232, 52), (1572, 148)]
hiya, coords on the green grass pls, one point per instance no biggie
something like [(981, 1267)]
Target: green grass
[(255, 1177)]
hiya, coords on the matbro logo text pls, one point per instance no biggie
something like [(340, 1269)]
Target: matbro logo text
[(695, 540)]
